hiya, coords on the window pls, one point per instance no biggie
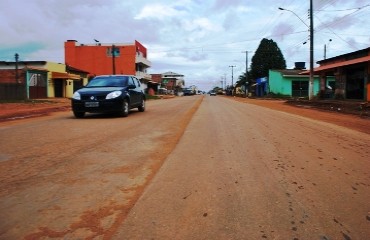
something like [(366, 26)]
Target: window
[(113, 51), (137, 82), (108, 82), (131, 81)]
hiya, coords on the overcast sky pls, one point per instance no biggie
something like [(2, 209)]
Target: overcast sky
[(197, 38)]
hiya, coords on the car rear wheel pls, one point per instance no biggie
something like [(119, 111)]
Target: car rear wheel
[(141, 108), (125, 108), (79, 114)]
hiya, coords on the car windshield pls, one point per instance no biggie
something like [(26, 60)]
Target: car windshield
[(108, 82)]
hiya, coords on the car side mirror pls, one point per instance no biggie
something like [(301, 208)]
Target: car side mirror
[(131, 86)]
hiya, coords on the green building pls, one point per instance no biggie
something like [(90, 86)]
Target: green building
[(290, 82)]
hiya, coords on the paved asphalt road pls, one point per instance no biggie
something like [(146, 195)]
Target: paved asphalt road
[(188, 168)]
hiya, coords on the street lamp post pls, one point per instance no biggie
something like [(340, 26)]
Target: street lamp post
[(325, 48), (283, 9), (310, 84)]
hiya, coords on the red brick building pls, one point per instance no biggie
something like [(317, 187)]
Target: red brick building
[(169, 81)]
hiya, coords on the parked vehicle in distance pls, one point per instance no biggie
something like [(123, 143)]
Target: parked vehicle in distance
[(109, 94), (188, 92)]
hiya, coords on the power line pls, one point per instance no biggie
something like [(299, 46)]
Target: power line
[(343, 10)]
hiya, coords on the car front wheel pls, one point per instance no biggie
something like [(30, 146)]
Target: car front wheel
[(79, 114), (125, 108), (142, 106)]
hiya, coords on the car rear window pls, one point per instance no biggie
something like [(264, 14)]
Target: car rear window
[(108, 82)]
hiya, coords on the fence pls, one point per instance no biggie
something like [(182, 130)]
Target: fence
[(11, 91)]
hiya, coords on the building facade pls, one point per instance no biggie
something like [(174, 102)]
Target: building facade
[(351, 72), (173, 81), (39, 79), (291, 83), (170, 82), (109, 59)]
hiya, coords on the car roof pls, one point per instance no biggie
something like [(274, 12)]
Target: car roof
[(121, 75)]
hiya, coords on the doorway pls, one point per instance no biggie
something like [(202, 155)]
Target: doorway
[(299, 88), (58, 87), (355, 84)]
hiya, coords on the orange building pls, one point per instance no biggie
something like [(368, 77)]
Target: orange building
[(351, 72), (104, 59)]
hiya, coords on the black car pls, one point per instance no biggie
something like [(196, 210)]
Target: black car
[(109, 94)]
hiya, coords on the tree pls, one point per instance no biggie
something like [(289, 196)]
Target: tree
[(242, 79), (268, 56)]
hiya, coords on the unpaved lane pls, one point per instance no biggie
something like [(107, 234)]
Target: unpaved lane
[(245, 172), (68, 178)]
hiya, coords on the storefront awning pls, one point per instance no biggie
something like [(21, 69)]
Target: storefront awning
[(65, 76), (339, 64)]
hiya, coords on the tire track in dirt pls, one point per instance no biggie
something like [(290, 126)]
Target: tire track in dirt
[(105, 221)]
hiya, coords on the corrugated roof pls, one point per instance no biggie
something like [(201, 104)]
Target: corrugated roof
[(70, 68), (64, 75), (365, 50), (289, 72), (339, 64)]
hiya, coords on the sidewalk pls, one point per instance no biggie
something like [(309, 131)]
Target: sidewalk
[(33, 108), (359, 108)]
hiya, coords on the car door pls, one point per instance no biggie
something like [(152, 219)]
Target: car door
[(134, 92), (139, 90)]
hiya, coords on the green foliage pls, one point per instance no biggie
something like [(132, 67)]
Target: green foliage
[(28, 101), (268, 56), (151, 97), (217, 89), (242, 79), (279, 95)]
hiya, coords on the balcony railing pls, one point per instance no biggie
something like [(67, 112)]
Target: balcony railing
[(142, 60)]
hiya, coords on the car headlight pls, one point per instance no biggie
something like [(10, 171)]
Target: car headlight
[(114, 94), (76, 96)]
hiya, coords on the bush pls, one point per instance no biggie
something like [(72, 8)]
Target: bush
[(278, 95), (151, 97)]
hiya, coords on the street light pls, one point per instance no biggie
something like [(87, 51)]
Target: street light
[(283, 9), (325, 48), (310, 85)]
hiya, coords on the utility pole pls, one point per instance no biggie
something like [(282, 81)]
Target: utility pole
[(232, 75), (310, 85), (113, 59), (225, 82), (16, 67), (246, 72)]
